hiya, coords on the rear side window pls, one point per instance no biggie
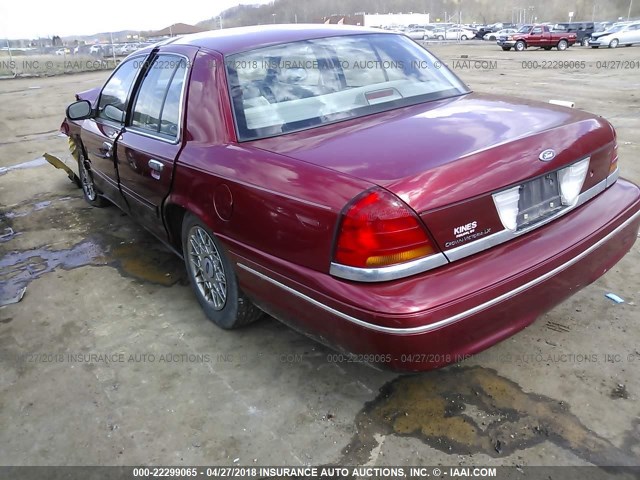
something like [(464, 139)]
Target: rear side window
[(115, 93), (157, 105)]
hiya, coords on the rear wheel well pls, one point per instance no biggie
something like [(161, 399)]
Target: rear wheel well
[(174, 216)]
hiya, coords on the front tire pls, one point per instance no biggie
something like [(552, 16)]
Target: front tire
[(213, 279), (506, 49), (520, 46), (440, 37), (89, 190), (585, 42), (614, 43), (562, 45)]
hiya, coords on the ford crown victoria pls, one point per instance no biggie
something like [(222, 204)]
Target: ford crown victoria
[(333, 178)]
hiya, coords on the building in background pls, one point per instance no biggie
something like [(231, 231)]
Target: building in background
[(383, 20)]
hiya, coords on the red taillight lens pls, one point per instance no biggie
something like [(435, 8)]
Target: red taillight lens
[(379, 230)]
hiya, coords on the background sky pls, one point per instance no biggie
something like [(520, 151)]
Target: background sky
[(44, 18)]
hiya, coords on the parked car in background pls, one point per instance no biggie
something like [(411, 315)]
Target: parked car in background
[(454, 33), (537, 36), (473, 28), (602, 26), (626, 34), (95, 49), (496, 35), (63, 51), (583, 30), (482, 31), (418, 34), (124, 49), (362, 206), (82, 50), (502, 25), (493, 28)]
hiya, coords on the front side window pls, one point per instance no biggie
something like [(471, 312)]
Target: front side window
[(300, 85), (115, 94), (157, 104)]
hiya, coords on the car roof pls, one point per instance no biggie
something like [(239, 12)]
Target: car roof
[(241, 39)]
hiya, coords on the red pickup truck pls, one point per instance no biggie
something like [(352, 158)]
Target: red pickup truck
[(536, 36)]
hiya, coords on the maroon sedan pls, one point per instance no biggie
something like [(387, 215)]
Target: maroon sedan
[(343, 181)]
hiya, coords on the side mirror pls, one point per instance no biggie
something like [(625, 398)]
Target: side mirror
[(114, 113), (79, 110)]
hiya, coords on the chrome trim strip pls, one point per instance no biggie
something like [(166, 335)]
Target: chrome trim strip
[(392, 272), (505, 235), (454, 318)]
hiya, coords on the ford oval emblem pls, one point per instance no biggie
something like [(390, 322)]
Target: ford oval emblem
[(547, 155)]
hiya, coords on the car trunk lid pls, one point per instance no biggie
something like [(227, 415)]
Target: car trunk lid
[(445, 159)]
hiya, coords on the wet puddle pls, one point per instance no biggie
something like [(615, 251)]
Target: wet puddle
[(112, 239), (470, 410), (38, 162)]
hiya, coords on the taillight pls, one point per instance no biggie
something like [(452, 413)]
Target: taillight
[(379, 230)]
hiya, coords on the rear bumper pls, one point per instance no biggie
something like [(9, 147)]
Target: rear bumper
[(442, 316)]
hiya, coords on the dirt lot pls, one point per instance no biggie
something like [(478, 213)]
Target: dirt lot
[(108, 360)]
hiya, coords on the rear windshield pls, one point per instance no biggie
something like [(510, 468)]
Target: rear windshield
[(300, 85)]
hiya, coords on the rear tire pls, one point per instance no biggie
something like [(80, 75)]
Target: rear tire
[(506, 49), (547, 48), (440, 37), (520, 46), (463, 37), (595, 46), (585, 42), (213, 279), (562, 45)]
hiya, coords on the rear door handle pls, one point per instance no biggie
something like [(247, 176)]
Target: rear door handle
[(155, 165)]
